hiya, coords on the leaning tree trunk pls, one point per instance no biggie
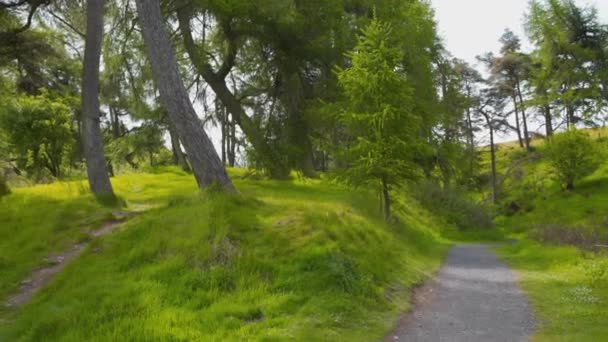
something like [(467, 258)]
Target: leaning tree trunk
[(97, 168), (517, 126), (523, 116), (206, 165), (178, 155), (216, 80)]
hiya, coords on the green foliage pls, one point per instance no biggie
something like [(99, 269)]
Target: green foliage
[(284, 260), (572, 155), (454, 207), (39, 131), (378, 116)]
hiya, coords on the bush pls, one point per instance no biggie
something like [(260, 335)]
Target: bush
[(572, 155), (579, 236), (454, 207)]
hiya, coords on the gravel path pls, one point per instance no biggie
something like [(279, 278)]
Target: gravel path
[(473, 298)]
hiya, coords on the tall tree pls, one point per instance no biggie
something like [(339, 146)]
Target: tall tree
[(206, 165), (97, 168), (382, 127), (491, 109)]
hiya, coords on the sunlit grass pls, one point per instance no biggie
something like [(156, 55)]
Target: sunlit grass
[(568, 290), (305, 260)]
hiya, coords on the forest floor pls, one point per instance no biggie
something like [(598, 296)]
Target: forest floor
[(474, 297)]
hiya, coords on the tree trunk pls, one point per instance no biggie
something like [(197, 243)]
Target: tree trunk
[(4, 189), (232, 141), (570, 185), (523, 116), (548, 120), (386, 200), (517, 127), (206, 165), (97, 170), (222, 117), (217, 82), (493, 152), (570, 116)]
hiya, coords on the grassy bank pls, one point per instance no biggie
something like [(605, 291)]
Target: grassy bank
[(566, 282), (284, 260), (568, 290), (37, 221)]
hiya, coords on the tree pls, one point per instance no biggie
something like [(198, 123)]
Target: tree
[(97, 167), (379, 118), (572, 155), (206, 165), (509, 72), (570, 59), (491, 108), (39, 132)]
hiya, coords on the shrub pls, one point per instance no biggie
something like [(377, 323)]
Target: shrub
[(454, 207), (579, 236), (572, 155)]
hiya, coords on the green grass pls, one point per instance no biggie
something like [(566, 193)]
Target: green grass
[(282, 261), (568, 287), (568, 290), (45, 219)]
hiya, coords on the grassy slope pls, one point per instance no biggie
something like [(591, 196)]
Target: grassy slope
[(567, 287), (285, 260), (44, 219)]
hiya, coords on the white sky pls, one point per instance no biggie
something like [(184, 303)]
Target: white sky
[(473, 27)]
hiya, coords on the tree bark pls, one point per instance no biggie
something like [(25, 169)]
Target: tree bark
[(493, 153), (206, 165), (178, 155), (4, 189), (517, 126), (97, 170), (548, 120), (523, 116), (217, 82)]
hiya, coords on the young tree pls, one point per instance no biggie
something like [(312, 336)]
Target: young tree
[(380, 123), (97, 167), (573, 155), (206, 165)]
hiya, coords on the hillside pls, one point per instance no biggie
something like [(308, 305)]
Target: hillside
[(301, 259), (557, 258)]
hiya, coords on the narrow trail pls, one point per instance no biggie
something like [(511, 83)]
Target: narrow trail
[(58, 261), (473, 298)]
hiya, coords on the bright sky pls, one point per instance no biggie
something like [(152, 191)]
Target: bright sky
[(472, 27)]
